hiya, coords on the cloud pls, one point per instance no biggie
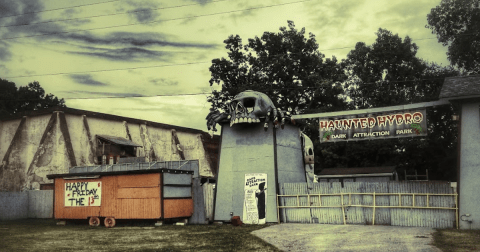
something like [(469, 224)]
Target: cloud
[(144, 14), (5, 53), (101, 94), (86, 79), (163, 82), (134, 39), (124, 54)]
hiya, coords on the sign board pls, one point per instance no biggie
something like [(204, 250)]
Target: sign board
[(406, 123), (255, 202), (83, 193)]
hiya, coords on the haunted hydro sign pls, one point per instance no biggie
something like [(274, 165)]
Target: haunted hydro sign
[(371, 126)]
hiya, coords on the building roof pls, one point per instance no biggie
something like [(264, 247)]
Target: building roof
[(461, 87), (355, 171), (92, 114), (118, 140)]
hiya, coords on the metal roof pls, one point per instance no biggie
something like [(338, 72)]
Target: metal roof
[(360, 170), (118, 140), (461, 87), (98, 174)]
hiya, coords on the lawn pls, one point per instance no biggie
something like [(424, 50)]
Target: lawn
[(44, 234), (457, 240)]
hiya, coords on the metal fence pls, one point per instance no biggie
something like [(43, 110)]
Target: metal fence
[(414, 204), (28, 204)]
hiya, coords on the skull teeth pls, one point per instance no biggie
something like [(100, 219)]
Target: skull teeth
[(249, 120)]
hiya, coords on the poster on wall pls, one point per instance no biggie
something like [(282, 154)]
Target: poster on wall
[(255, 202), (382, 125), (79, 194)]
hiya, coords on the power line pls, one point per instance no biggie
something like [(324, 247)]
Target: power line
[(157, 21), (108, 70), (114, 14), (63, 8)]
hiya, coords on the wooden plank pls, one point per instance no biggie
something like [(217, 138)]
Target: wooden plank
[(139, 180), (138, 193)]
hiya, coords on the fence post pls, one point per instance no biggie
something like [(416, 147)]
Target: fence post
[(373, 219), (343, 210)]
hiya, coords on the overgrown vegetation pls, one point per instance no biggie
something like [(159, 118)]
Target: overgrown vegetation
[(44, 235), (457, 240)]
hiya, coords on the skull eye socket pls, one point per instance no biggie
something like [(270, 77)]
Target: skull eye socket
[(310, 151), (249, 102)]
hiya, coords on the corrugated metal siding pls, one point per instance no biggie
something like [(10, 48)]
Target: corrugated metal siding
[(436, 218)]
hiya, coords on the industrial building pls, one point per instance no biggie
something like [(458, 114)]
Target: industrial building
[(53, 140)]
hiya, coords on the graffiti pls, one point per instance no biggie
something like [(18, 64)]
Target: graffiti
[(327, 135), (417, 128), (83, 193)]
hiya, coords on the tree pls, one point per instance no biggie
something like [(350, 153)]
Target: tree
[(25, 98), (388, 73), (457, 24), (286, 66)]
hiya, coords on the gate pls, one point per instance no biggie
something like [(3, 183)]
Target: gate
[(413, 204)]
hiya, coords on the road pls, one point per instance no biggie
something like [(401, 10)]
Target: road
[(324, 237)]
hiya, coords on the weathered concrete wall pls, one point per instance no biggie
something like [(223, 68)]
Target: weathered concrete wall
[(35, 146), (28, 204), (246, 149), (470, 166)]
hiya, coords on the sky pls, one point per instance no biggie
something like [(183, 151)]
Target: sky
[(150, 59)]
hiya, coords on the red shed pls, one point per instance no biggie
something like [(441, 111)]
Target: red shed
[(137, 194)]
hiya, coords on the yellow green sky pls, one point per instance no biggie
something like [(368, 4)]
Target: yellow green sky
[(165, 48)]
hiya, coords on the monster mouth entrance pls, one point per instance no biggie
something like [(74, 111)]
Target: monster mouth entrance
[(243, 120)]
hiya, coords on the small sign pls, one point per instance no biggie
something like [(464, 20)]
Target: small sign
[(255, 202), (371, 126), (79, 194)]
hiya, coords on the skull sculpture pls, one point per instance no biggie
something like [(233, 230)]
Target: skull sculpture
[(248, 107), (308, 156)]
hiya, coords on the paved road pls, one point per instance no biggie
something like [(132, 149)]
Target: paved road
[(323, 237)]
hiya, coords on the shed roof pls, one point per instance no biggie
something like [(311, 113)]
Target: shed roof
[(359, 170), (460, 87), (118, 140)]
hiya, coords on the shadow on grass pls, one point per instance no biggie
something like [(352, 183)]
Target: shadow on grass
[(450, 240), (44, 234)]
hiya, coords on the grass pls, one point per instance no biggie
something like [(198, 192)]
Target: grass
[(45, 235), (457, 240)]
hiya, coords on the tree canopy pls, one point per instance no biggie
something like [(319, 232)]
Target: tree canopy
[(286, 66), (457, 24), (25, 98)]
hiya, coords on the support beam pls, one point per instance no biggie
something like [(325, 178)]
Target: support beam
[(177, 144), (14, 140), (90, 142), (66, 137), (41, 148)]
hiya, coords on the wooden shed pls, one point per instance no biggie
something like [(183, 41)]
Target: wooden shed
[(156, 194)]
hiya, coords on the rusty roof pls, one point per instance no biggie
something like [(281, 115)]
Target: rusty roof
[(118, 140), (460, 87), (358, 170)]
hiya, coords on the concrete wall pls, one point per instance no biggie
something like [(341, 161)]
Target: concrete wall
[(470, 166), (28, 204), (247, 148), (27, 160)]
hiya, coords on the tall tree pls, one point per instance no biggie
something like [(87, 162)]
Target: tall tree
[(389, 73), (457, 24), (286, 66), (25, 98)]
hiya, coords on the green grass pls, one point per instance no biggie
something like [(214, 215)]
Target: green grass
[(457, 240), (45, 235)]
